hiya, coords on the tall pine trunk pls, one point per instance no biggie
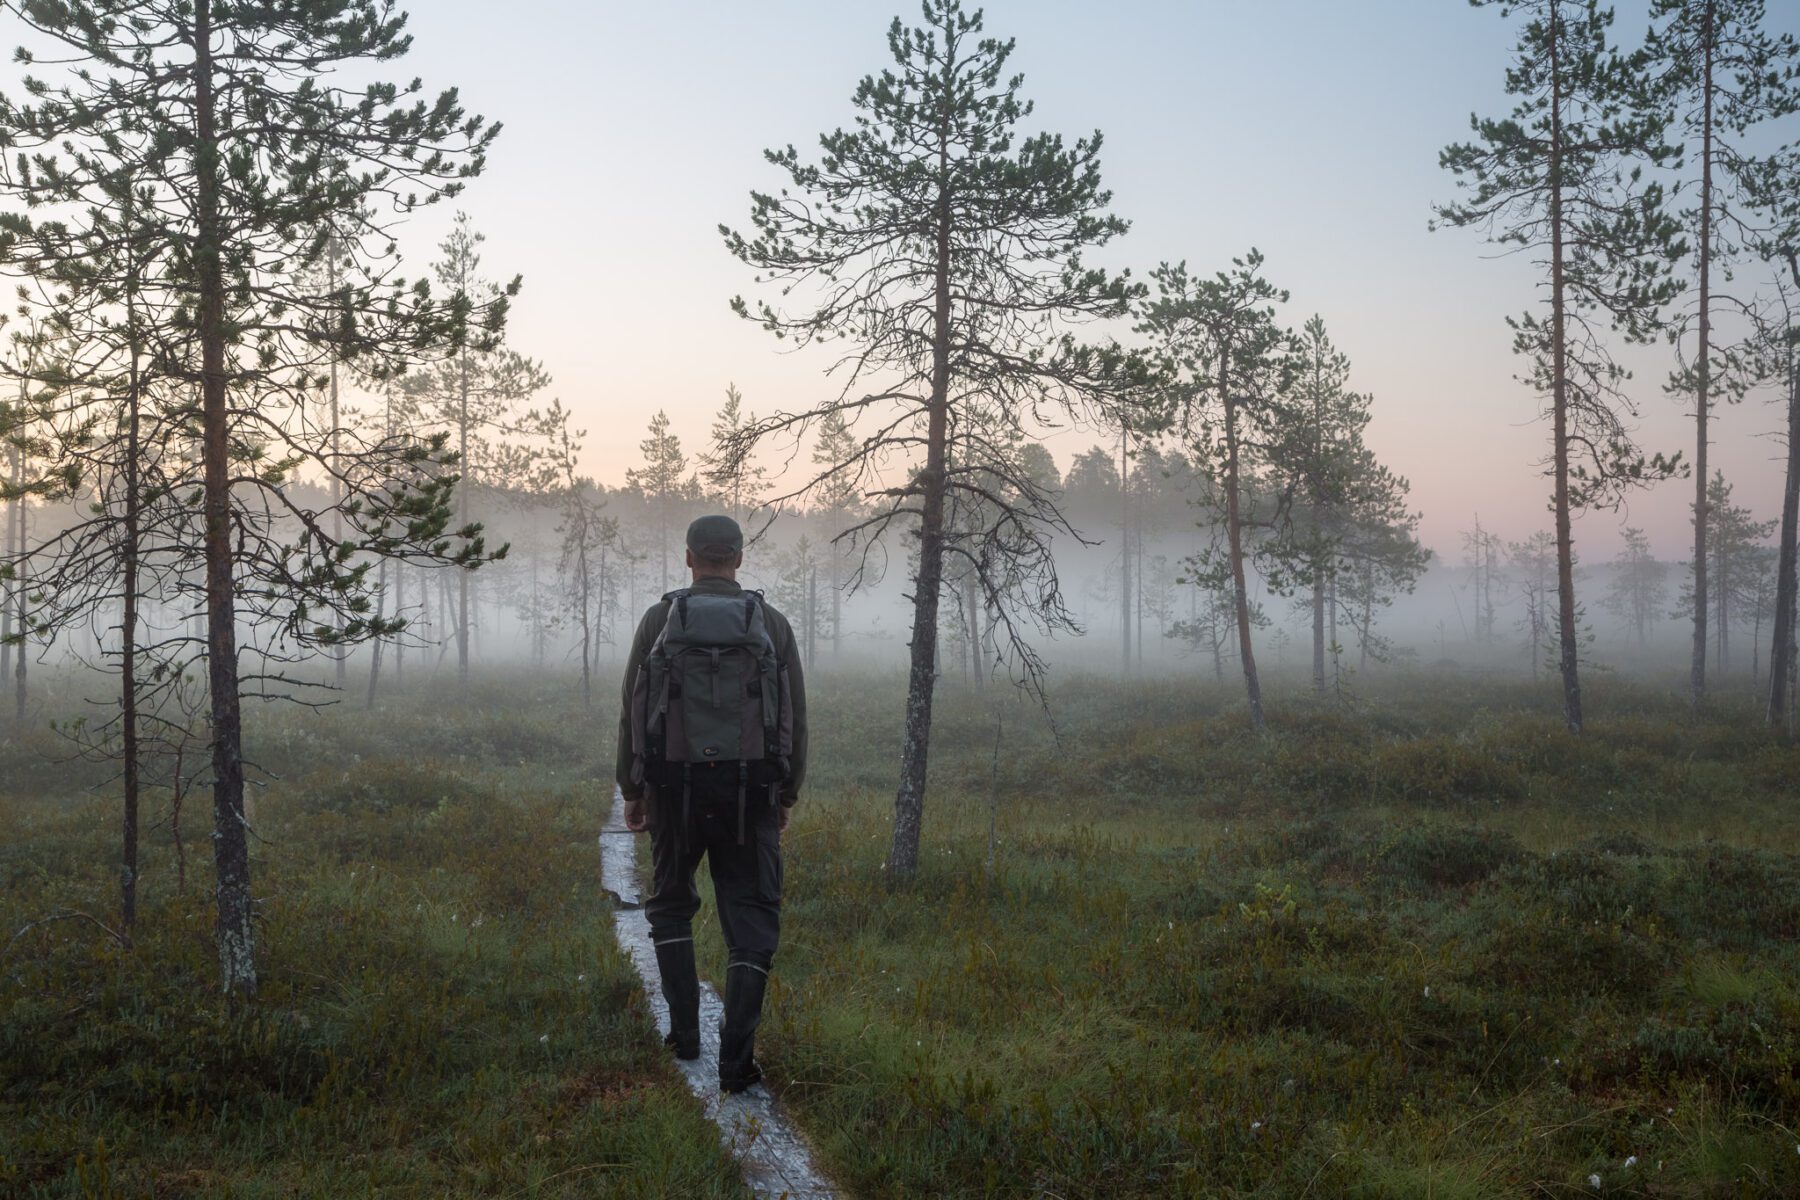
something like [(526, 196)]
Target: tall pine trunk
[(1318, 617), (462, 505), (231, 852), (1722, 586), (20, 597), (976, 672), (1565, 542), (1704, 364), (128, 634), (1756, 639), (1234, 530), (837, 600), (1137, 560), (340, 653), (6, 586), (587, 627), (1781, 641), (1368, 618), (399, 607), (1124, 552), (909, 800), (600, 607), (375, 652), (812, 612)]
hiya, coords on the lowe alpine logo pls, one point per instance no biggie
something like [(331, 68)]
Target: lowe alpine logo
[(711, 752)]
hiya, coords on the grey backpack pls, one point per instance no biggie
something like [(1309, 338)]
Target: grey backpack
[(711, 694)]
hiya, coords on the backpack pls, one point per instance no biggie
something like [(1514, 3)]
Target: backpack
[(711, 691)]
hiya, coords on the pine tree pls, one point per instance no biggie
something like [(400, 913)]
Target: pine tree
[(1481, 554), (796, 590), (739, 479), (945, 254), (1638, 589), (1211, 625), (663, 482), (248, 160), (1534, 562), (1720, 75), (1732, 577), (1561, 178), (1338, 511), (478, 392), (1091, 490), (1126, 533), (839, 507), (33, 477), (1782, 340), (587, 535), (1224, 352)]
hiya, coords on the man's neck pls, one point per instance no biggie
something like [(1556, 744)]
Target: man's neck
[(721, 576)]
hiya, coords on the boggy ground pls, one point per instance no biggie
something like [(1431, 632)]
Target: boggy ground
[(1430, 946), (1426, 945), (443, 1010)]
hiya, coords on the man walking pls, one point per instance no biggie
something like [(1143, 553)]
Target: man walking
[(712, 753)]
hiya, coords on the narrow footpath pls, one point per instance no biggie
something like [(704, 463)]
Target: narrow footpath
[(775, 1161)]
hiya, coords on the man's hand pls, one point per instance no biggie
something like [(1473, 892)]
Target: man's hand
[(785, 813), (637, 816)]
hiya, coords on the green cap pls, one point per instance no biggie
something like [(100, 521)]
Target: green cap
[(717, 536)]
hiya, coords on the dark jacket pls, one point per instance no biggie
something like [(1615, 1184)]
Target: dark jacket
[(786, 653)]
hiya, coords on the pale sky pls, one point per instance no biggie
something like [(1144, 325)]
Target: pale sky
[(1307, 128)]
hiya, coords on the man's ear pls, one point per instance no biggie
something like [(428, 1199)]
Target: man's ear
[(690, 560), (738, 561)]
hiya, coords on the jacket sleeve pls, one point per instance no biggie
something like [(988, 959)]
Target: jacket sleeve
[(641, 642), (789, 654)]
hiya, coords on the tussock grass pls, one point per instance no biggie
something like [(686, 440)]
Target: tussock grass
[(1424, 946), (443, 1011), (1433, 947)]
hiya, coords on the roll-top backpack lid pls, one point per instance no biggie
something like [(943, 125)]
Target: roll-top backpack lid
[(716, 622)]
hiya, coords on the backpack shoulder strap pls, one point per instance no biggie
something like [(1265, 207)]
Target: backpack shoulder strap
[(676, 599)]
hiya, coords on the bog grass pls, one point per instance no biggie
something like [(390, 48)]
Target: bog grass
[(1430, 946), (443, 1011), (1425, 945)]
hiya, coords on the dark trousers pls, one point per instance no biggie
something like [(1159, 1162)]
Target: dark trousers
[(746, 877)]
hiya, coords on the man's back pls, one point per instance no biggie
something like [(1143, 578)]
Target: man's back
[(699, 788), (787, 655)]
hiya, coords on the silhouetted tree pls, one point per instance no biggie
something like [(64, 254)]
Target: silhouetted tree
[(1481, 557), (945, 255), (839, 508), (1736, 546), (663, 482), (587, 534), (1534, 562), (1337, 509), (1224, 352), (249, 159), (1091, 490), (1639, 589), (1560, 178), (739, 480), (478, 392), (1720, 74), (796, 590), (1778, 192)]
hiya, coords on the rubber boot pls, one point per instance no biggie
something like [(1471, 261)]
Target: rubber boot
[(681, 989), (744, 987)]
